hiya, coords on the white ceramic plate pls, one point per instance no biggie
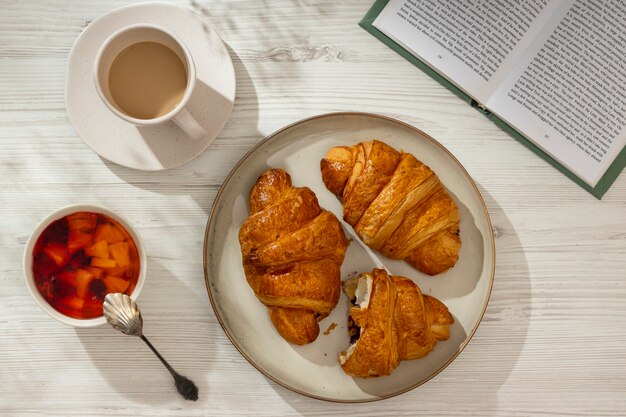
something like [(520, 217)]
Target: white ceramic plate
[(313, 370), (159, 147)]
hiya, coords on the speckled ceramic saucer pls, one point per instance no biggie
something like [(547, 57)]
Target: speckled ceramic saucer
[(154, 147)]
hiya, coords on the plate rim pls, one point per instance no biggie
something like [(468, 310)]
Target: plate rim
[(375, 116)]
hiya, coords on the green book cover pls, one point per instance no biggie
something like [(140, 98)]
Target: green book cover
[(598, 191)]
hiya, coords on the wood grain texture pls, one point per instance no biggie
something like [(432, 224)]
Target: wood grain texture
[(553, 339)]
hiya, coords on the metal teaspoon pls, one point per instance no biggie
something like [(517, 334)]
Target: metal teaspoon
[(123, 314)]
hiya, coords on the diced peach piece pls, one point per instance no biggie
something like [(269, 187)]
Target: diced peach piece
[(99, 249), (109, 233), (82, 221), (83, 278), (124, 232), (115, 284), (81, 224), (78, 240), (57, 252), (103, 263), (68, 276), (97, 272), (119, 252), (115, 271), (75, 303)]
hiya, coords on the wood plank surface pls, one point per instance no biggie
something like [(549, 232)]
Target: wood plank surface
[(553, 340)]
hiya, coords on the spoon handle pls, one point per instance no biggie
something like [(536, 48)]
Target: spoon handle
[(161, 358), (185, 386)]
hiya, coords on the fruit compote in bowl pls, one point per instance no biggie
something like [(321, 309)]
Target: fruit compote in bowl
[(78, 255)]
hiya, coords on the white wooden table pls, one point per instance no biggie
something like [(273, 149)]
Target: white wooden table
[(553, 340)]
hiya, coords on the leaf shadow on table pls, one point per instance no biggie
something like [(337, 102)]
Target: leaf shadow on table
[(492, 356), (210, 167), (176, 321)]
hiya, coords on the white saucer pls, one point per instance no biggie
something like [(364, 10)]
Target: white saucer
[(159, 147)]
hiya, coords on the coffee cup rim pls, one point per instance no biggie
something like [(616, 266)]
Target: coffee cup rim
[(191, 78)]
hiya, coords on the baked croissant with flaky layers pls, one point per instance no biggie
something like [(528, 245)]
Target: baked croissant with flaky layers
[(390, 320), (395, 203), (292, 253)]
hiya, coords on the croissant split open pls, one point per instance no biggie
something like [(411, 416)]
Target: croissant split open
[(292, 252), (395, 204), (390, 320)]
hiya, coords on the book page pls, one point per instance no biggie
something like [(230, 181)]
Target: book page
[(568, 93), (473, 43)]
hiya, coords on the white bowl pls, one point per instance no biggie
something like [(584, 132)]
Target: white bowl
[(28, 261)]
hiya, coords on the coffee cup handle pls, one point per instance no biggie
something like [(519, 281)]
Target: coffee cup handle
[(189, 125)]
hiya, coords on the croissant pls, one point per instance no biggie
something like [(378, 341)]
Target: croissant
[(292, 251), (395, 204), (390, 320)]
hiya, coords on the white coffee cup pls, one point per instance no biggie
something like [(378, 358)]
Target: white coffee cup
[(134, 34)]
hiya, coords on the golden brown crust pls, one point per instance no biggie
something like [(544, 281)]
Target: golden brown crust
[(296, 208), (308, 285), (437, 254), (398, 324), (269, 188), (396, 204), (433, 216), (320, 238), (439, 317), (411, 183), (292, 252), (295, 325), (337, 166), (373, 169)]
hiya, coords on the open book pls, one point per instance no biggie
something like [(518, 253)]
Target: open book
[(553, 73)]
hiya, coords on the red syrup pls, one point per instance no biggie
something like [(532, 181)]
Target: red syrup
[(82, 257)]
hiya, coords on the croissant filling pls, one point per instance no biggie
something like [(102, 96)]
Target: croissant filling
[(362, 292), (354, 331), (359, 295)]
